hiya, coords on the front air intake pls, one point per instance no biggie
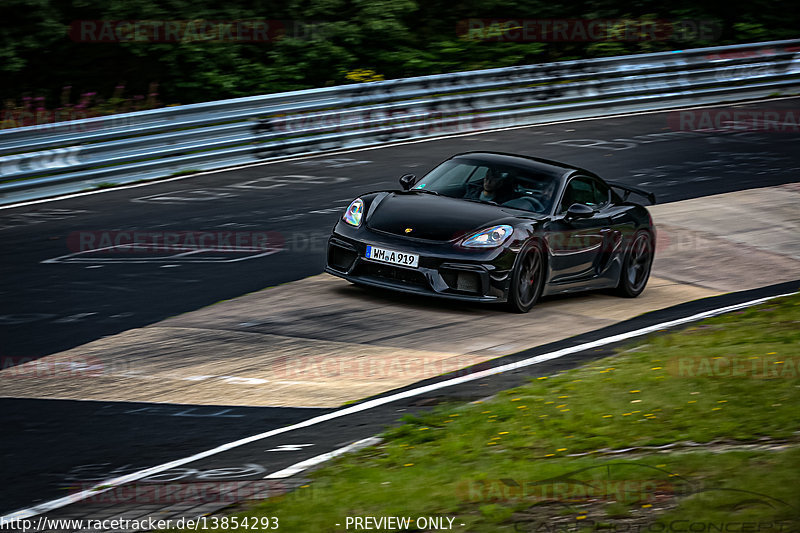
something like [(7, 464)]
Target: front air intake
[(341, 258)]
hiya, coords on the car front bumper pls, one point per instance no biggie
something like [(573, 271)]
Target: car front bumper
[(444, 270)]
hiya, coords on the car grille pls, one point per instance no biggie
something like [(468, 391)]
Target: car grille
[(403, 275)]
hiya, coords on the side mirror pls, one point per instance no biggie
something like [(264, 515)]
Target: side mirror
[(576, 211), (407, 181)]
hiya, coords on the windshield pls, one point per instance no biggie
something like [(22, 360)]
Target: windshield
[(492, 183)]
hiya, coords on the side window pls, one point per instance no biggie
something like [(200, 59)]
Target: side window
[(600, 193), (583, 190), (578, 191)]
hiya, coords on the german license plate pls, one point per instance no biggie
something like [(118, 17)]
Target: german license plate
[(392, 256)]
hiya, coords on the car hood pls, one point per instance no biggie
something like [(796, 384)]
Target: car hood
[(432, 217)]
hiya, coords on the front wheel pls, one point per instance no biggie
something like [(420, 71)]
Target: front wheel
[(527, 280), (636, 266)]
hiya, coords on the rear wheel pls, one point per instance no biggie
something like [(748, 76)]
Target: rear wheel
[(527, 279), (636, 266)]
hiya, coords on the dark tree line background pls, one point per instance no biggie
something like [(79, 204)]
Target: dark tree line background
[(360, 40)]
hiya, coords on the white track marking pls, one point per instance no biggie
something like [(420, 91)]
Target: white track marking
[(370, 404), (319, 459), (289, 447), (385, 145)]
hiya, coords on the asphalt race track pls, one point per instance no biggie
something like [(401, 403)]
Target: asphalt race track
[(54, 297), (47, 308)]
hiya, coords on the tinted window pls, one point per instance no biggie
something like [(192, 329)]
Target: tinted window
[(600, 193), (449, 175), (584, 191), (578, 191), (501, 184)]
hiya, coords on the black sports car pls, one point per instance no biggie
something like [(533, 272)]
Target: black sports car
[(494, 227)]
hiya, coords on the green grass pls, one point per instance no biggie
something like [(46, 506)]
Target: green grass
[(484, 463)]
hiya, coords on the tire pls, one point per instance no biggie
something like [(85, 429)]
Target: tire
[(527, 279), (636, 266)]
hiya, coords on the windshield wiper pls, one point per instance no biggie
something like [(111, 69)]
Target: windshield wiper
[(426, 191)]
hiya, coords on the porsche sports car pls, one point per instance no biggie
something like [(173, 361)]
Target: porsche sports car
[(495, 227)]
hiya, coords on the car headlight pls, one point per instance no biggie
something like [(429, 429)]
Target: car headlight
[(489, 237), (354, 211)]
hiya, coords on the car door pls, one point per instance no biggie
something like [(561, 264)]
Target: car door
[(577, 245)]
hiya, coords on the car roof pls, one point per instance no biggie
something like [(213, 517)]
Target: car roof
[(536, 164)]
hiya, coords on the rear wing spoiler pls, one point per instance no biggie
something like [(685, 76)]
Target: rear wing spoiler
[(627, 190)]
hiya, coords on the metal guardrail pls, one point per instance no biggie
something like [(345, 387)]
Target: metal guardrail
[(50, 159)]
